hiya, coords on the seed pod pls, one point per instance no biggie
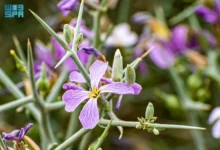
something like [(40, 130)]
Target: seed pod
[(43, 83), (149, 113), (79, 38), (117, 67), (67, 33), (130, 75)]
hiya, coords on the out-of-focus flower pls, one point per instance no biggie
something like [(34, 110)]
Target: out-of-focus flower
[(66, 6), (83, 28), (43, 54), (210, 14), (215, 117), (82, 53), (122, 36), (181, 40), (141, 17), (16, 135), (89, 115), (161, 54)]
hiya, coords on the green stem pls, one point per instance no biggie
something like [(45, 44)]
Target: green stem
[(17, 93), (72, 139), (73, 124), (133, 124), (38, 101), (197, 136), (184, 14), (19, 49), (16, 103), (54, 106), (56, 88), (85, 141), (103, 136)]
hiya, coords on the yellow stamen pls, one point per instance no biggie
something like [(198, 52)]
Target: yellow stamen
[(95, 93)]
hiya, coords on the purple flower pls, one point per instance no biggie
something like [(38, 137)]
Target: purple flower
[(69, 63), (16, 135), (89, 116), (215, 116), (66, 6), (210, 15), (161, 54)]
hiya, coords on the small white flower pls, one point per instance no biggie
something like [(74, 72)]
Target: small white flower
[(122, 36)]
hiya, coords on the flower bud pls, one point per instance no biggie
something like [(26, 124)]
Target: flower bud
[(67, 33), (170, 100), (42, 83), (203, 94), (156, 132), (194, 81), (79, 38), (149, 113), (117, 67), (19, 63), (130, 75)]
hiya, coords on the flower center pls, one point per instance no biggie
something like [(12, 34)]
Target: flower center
[(95, 93)]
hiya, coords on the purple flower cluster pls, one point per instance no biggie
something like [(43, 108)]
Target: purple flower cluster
[(75, 95), (210, 14), (182, 39), (16, 135)]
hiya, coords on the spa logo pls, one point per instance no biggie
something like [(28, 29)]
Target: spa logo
[(14, 11)]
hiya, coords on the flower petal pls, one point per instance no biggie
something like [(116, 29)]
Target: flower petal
[(73, 98), (71, 86), (117, 88), (89, 116), (27, 127), (11, 136), (207, 14), (77, 77), (21, 134), (137, 88), (118, 104), (97, 71), (216, 130), (215, 114)]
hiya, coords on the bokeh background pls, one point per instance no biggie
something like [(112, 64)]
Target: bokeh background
[(132, 106)]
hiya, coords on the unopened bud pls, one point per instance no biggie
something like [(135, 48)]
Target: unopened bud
[(79, 38), (156, 132), (136, 63), (203, 94), (43, 83), (194, 81), (149, 113), (170, 100), (19, 63), (117, 67), (67, 33), (130, 75)]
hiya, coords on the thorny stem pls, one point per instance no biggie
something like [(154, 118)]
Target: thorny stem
[(18, 94), (16, 103), (38, 101), (150, 125)]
